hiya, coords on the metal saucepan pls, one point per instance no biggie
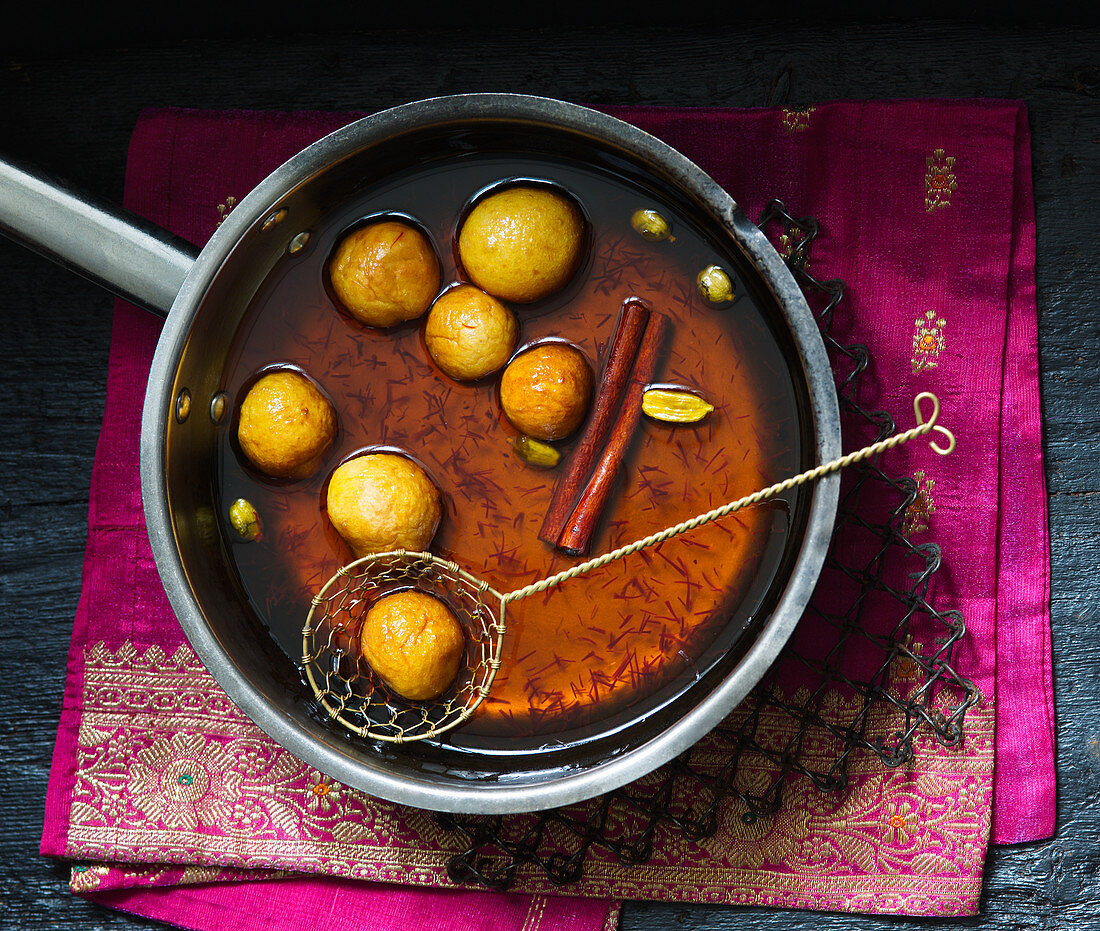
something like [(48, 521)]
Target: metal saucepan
[(205, 293)]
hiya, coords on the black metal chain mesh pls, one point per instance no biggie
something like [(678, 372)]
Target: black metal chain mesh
[(878, 584)]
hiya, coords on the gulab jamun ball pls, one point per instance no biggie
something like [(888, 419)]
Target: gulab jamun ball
[(546, 390), (414, 642), (286, 425), (470, 334), (523, 243), (385, 273), (383, 501)]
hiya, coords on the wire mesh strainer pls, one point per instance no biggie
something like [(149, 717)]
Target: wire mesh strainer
[(358, 699)]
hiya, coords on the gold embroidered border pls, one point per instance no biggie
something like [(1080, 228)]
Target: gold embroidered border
[(170, 772), (95, 877)]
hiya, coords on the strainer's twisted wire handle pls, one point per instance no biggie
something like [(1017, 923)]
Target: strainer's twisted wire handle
[(923, 427)]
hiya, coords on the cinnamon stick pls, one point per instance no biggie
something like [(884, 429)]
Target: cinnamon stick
[(621, 354), (586, 515)]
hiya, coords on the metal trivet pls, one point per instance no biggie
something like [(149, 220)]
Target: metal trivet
[(872, 604)]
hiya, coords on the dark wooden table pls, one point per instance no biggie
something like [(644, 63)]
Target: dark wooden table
[(70, 92)]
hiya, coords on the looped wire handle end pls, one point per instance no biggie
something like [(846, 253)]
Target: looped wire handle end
[(931, 424)]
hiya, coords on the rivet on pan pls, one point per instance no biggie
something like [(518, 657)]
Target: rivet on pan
[(275, 218), (219, 404), (183, 405), (298, 243)]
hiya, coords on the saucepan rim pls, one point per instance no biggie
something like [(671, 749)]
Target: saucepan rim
[(307, 739)]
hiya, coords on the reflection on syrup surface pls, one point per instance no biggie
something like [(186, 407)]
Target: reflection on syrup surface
[(602, 648)]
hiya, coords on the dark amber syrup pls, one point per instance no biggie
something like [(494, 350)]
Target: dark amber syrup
[(602, 650)]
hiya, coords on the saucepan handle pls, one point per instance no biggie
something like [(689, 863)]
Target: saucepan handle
[(119, 250)]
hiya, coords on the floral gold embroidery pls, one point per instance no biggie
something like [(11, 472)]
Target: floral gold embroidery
[(928, 341), (939, 180), (226, 208), (906, 668), (923, 507), (105, 876), (797, 120), (901, 823), (792, 244), (789, 242), (86, 878), (322, 793), (201, 777), (204, 793), (819, 850), (184, 781)]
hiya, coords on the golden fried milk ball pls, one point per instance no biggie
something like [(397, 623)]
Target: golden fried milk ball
[(523, 243), (414, 643), (383, 501), (385, 273), (470, 334), (286, 425), (545, 390)]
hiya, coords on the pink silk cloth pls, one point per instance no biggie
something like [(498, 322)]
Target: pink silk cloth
[(176, 807)]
